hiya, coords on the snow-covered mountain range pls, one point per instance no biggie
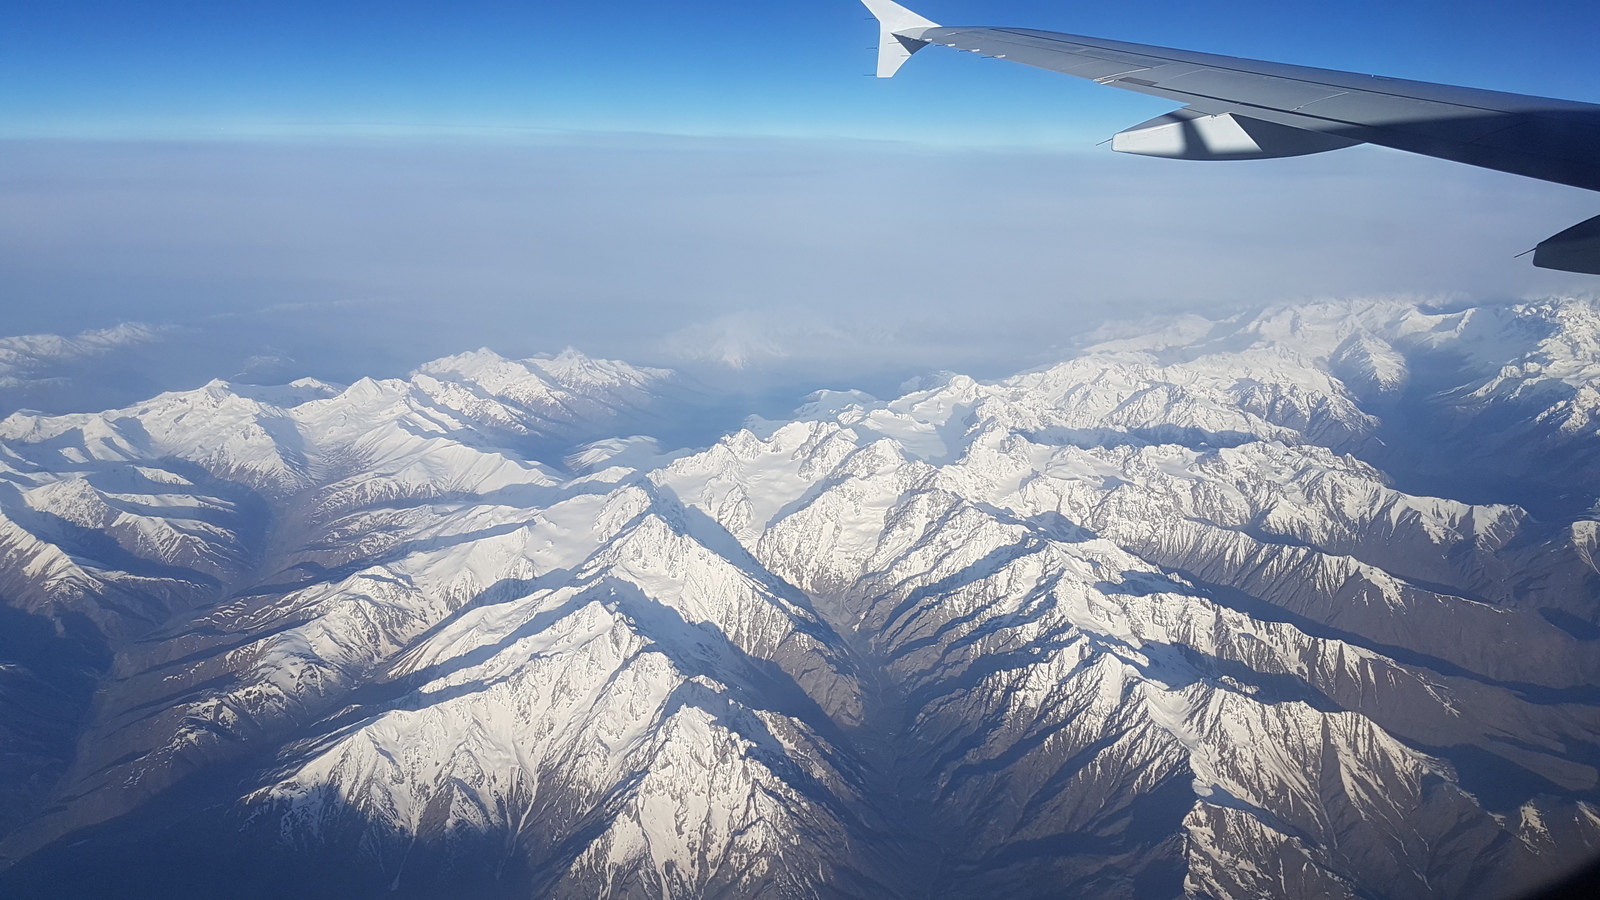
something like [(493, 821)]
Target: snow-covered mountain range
[(1302, 604)]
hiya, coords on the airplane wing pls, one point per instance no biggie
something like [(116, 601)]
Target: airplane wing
[(1249, 109)]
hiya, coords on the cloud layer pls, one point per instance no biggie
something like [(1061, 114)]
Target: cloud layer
[(756, 262)]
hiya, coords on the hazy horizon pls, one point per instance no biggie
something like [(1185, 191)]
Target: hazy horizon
[(753, 263)]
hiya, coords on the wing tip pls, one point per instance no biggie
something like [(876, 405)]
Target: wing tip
[(899, 32), (896, 18)]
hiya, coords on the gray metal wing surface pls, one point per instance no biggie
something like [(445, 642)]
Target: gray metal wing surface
[(1251, 109)]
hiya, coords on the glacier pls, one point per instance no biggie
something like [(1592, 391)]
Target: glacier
[(1298, 603)]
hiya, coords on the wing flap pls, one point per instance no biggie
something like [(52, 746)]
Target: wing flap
[(1258, 90)]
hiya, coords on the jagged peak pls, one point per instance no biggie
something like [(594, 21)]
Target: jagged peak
[(572, 368), (467, 363), (569, 369)]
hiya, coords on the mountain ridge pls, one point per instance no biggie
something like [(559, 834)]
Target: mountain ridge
[(1153, 621)]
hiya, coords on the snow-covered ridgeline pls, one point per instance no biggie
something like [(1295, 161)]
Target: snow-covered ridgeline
[(1147, 622)]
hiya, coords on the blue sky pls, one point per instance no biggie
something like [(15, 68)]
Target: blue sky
[(186, 69), (353, 188)]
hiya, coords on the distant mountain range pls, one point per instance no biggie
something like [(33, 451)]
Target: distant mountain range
[(1299, 605)]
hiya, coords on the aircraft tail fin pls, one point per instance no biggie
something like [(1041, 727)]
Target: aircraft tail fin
[(899, 34)]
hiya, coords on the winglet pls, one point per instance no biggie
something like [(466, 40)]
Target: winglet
[(899, 36)]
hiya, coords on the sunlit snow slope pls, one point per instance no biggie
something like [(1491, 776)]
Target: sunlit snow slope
[(1298, 605)]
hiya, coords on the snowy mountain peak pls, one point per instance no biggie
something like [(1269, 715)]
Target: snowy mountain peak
[(570, 370)]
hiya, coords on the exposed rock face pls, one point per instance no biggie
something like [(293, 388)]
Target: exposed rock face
[(1153, 622)]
